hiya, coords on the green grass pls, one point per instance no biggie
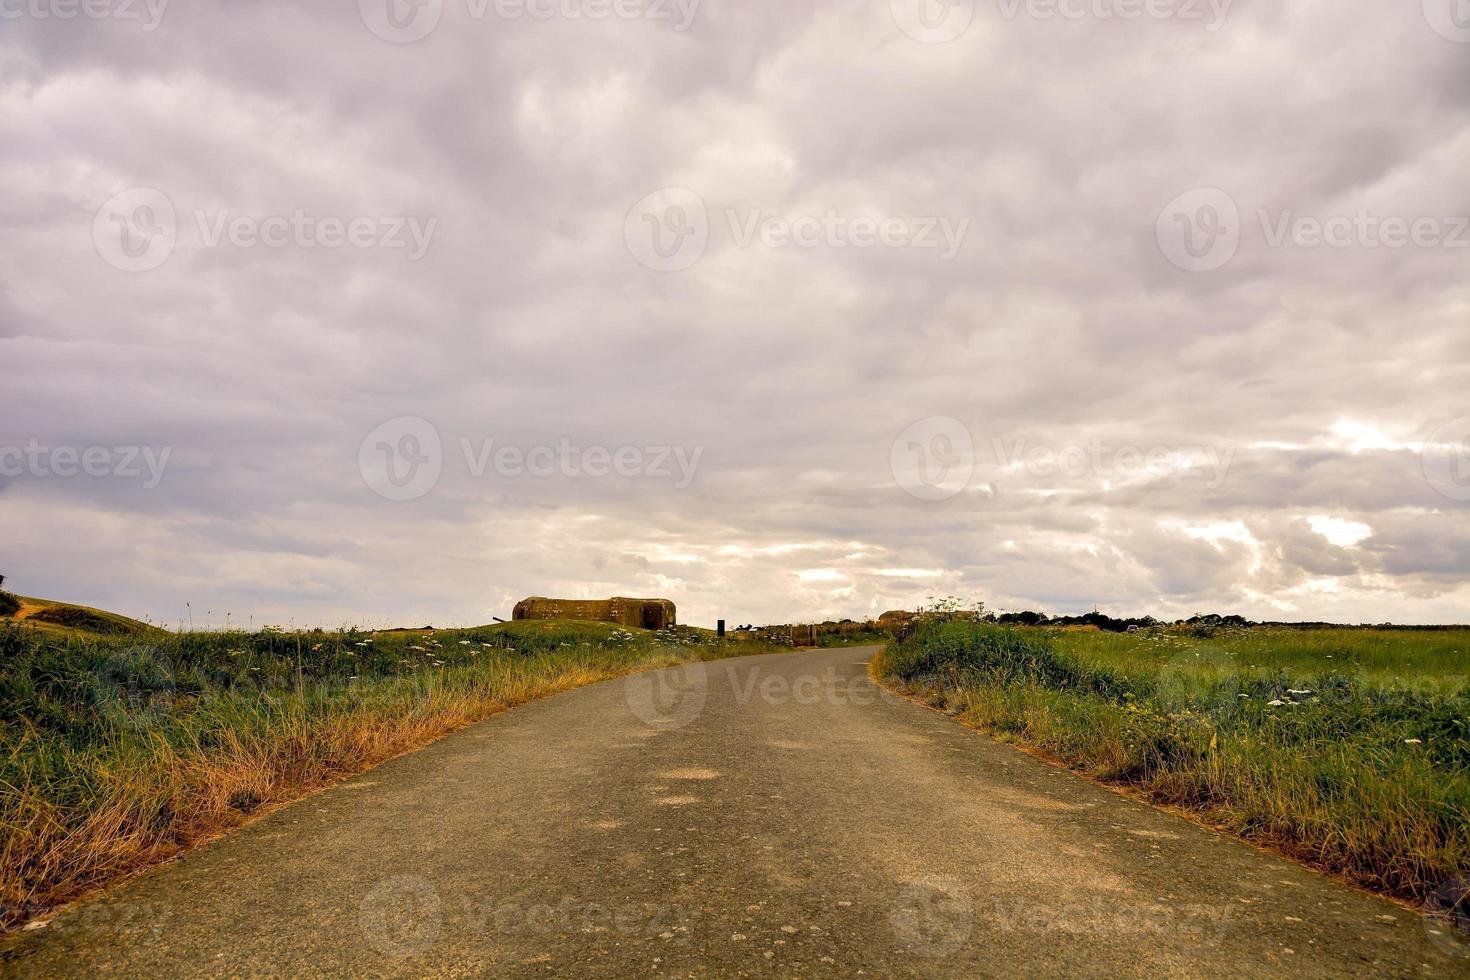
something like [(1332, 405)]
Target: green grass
[(1346, 748), (68, 617), (120, 751)]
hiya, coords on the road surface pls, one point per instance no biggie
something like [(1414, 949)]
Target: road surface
[(770, 815)]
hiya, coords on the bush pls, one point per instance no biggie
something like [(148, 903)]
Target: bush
[(960, 652), (9, 605)]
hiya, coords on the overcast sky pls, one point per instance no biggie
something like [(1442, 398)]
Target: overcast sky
[(384, 313)]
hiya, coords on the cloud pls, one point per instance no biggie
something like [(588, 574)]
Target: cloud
[(1291, 383)]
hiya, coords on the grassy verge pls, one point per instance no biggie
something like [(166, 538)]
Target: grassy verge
[(119, 753), (1347, 749)]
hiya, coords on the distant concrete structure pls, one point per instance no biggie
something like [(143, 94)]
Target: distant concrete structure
[(649, 614), (895, 619)]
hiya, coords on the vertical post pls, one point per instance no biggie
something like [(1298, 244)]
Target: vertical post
[(720, 628)]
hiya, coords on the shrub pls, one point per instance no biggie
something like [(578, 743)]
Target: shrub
[(961, 652)]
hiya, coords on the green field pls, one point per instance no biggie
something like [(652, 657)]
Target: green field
[(1345, 748), (122, 748)]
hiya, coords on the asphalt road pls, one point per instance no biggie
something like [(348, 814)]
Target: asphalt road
[(764, 816)]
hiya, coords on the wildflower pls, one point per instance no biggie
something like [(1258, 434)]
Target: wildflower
[(1298, 693), (1277, 703), (1413, 741)]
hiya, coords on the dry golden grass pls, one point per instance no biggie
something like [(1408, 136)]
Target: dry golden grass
[(76, 820)]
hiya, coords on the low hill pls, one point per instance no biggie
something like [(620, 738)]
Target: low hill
[(63, 616)]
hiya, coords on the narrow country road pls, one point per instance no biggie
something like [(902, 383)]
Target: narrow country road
[(771, 815)]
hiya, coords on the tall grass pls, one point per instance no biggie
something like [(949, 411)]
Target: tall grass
[(1348, 749), (119, 754)]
